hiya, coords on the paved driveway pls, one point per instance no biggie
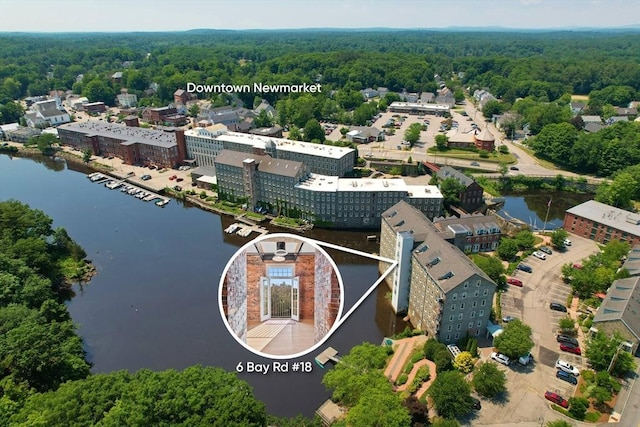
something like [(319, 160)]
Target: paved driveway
[(525, 401)]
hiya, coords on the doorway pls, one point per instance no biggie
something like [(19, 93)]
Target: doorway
[(280, 294)]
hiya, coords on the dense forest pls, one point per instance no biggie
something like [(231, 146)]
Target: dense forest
[(44, 377), (539, 64)]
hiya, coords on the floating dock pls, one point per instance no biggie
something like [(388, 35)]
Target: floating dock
[(139, 193), (244, 230), (329, 353)]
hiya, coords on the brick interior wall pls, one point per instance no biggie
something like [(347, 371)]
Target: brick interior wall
[(234, 296), (304, 269), (327, 296)]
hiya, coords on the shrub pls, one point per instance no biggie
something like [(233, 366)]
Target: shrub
[(423, 373), (464, 362), (402, 379), (417, 356), (592, 417), (408, 368), (578, 407)]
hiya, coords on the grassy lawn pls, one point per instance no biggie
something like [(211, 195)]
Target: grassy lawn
[(471, 155), (544, 163), (288, 221)]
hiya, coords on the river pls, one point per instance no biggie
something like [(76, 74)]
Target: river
[(154, 303)]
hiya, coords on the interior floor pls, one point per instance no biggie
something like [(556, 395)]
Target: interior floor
[(281, 336)]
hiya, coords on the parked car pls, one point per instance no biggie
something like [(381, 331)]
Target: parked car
[(526, 359), (570, 348), (557, 307), (514, 168), (172, 177), (500, 358), (515, 282), (145, 177), (475, 164), (565, 376), (557, 399), (539, 255), (566, 338), (545, 249), (177, 188), (567, 242), (525, 268), (507, 319), (567, 367), (179, 179)]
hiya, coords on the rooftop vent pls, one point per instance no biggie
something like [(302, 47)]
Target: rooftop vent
[(445, 276)]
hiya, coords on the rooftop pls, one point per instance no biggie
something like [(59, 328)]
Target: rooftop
[(128, 135), (632, 264), (622, 303), (609, 216), (265, 164), (449, 172), (445, 263), (418, 105)]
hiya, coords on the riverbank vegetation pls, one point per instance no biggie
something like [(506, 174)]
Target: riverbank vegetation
[(45, 378)]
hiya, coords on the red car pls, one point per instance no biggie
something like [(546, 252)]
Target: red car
[(570, 348), (556, 398), (514, 282), (172, 177)]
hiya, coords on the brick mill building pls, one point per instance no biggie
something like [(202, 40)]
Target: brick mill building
[(602, 223)]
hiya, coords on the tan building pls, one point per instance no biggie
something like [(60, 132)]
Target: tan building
[(443, 292)]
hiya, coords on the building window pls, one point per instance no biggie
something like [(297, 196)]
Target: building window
[(466, 285), (453, 307), (484, 301), (449, 328), (486, 292), (464, 295), (451, 318), (479, 323), (457, 335), (473, 314), (461, 306), (470, 325), (475, 303), (460, 316), (458, 327), (448, 338), (481, 313), (454, 297)]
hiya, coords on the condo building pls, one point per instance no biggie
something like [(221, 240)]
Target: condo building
[(443, 293), (289, 187)]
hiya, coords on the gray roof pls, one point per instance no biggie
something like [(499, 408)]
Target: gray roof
[(266, 164), (449, 226), (453, 267), (622, 303), (49, 108), (127, 134), (632, 264), (203, 171), (609, 216), (593, 127), (449, 172)]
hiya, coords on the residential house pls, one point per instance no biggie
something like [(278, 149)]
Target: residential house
[(620, 312), (382, 91), (94, 107), (46, 113), (181, 96), (369, 93), (127, 100), (443, 293), (577, 107), (602, 223), (471, 197), (22, 134), (427, 97), (117, 76), (265, 106), (626, 111)]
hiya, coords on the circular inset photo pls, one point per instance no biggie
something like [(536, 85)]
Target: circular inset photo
[(280, 295)]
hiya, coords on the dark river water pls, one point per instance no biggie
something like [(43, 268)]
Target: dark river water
[(154, 301)]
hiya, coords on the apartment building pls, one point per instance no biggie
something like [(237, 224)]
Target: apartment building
[(442, 291), (471, 198), (470, 233), (290, 188), (321, 159), (134, 145), (602, 223)]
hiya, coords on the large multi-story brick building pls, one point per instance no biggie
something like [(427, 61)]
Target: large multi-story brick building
[(602, 223), (441, 290), (134, 145), (289, 188), (471, 198)]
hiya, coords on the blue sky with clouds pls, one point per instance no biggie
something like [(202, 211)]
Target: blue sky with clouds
[(171, 15)]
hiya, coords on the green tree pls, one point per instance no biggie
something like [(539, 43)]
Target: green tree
[(515, 341), (491, 266), (295, 134), (578, 407), (464, 362), (98, 90), (555, 141), (194, 110), (525, 239), (507, 249), (344, 131), (442, 142), (558, 423), (417, 410), (86, 155), (489, 380), (603, 353), (379, 408), (451, 189), (567, 323), (412, 134), (313, 130), (619, 192), (451, 395), (558, 237), (492, 107), (263, 120), (443, 422), (359, 371)]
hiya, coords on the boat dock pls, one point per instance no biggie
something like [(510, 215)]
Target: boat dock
[(244, 230), (329, 353), (125, 187)]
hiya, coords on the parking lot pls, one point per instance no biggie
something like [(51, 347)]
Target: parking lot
[(525, 401)]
